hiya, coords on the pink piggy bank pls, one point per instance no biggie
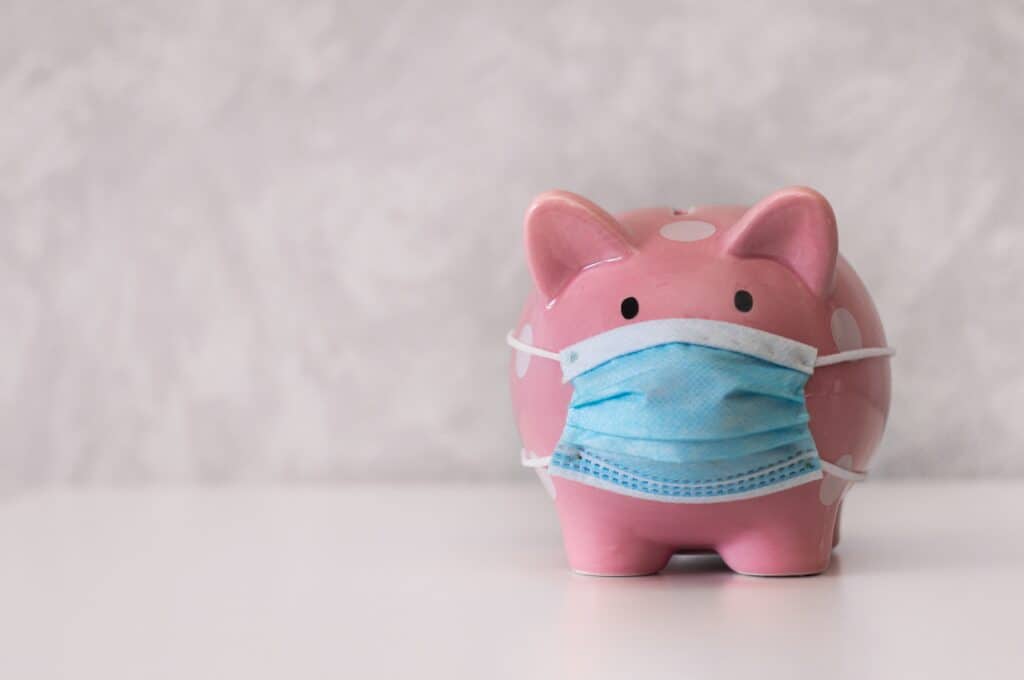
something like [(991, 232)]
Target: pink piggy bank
[(711, 379)]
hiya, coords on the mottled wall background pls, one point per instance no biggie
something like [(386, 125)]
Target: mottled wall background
[(281, 239)]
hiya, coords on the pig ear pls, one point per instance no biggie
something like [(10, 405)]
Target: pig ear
[(796, 228), (565, 234)]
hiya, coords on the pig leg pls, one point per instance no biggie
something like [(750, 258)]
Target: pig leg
[(604, 551), (600, 533), (597, 547), (792, 536), (777, 551)]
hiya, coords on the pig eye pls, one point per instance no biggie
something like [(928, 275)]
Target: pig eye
[(629, 308), (743, 300)]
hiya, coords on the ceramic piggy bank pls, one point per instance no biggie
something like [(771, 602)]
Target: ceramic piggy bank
[(689, 380)]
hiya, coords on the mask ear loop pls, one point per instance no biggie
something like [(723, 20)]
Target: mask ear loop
[(854, 355), (841, 472), (838, 358), (518, 344), (538, 462)]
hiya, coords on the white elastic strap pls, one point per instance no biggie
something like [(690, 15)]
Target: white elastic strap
[(533, 462), (854, 355), (518, 344), (843, 473)]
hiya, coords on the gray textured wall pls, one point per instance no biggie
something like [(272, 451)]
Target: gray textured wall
[(280, 240)]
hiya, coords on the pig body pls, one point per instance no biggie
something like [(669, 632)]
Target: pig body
[(781, 257)]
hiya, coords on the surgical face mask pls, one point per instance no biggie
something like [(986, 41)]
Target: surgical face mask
[(689, 411)]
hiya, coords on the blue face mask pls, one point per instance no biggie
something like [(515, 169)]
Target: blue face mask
[(689, 411)]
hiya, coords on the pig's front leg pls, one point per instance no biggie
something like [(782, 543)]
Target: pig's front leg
[(596, 546), (782, 545)]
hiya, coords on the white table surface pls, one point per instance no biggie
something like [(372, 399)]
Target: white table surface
[(470, 581)]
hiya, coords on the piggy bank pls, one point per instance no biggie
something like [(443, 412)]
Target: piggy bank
[(710, 379)]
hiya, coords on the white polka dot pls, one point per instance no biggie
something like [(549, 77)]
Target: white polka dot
[(832, 487), (522, 358), (687, 230), (845, 330)]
